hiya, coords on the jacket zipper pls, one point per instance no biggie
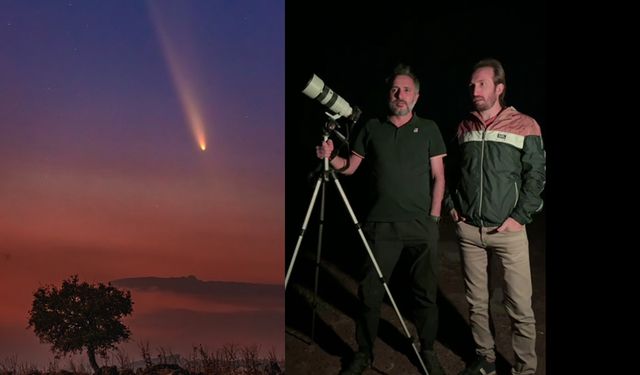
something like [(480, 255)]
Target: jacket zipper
[(484, 132)]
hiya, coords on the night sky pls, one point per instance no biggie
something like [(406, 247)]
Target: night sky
[(105, 109)]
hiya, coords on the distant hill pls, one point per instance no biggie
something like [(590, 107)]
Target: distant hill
[(222, 291)]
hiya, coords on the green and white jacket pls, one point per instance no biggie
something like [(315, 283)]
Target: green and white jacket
[(501, 171)]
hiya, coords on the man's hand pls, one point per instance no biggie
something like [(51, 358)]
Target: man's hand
[(325, 149), (510, 225), (455, 217)]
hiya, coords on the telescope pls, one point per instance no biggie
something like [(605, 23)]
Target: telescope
[(316, 89)]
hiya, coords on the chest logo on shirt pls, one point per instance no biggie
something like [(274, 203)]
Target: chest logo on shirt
[(415, 130), (502, 136)]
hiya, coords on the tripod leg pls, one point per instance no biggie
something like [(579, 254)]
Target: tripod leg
[(304, 227), (377, 268), (318, 252)]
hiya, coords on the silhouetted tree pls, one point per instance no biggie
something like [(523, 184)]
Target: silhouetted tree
[(80, 316)]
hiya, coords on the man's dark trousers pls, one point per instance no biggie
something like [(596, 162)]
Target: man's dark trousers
[(416, 239)]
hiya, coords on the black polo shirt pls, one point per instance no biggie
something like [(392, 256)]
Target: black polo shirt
[(401, 170)]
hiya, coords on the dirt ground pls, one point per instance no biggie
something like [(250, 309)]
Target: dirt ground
[(323, 345)]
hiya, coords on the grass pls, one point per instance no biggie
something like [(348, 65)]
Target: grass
[(230, 359)]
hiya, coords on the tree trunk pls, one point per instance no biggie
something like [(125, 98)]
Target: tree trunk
[(91, 352)]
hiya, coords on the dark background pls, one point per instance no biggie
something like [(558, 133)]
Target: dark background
[(354, 50), (567, 66)]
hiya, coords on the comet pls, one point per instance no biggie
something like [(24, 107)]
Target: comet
[(182, 81)]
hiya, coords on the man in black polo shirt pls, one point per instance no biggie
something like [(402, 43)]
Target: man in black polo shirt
[(407, 182)]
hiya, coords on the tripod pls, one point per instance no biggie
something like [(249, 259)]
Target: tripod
[(326, 175)]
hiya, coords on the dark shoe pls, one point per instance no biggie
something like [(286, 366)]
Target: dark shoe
[(480, 367), (360, 362), (430, 360)]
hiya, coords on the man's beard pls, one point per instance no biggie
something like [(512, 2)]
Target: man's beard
[(484, 104), (400, 111)]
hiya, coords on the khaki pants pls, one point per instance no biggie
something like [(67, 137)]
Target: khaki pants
[(513, 250)]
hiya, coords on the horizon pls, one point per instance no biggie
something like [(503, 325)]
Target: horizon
[(162, 307)]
